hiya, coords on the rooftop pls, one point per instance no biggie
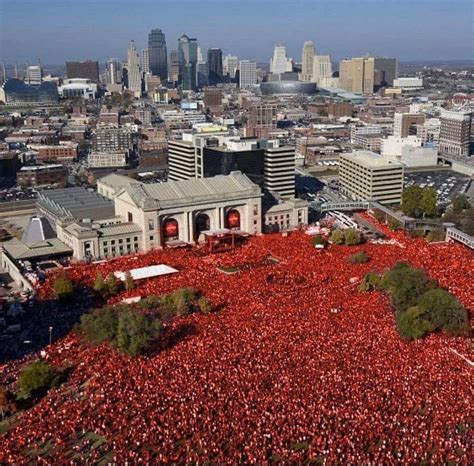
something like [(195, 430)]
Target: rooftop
[(369, 159)]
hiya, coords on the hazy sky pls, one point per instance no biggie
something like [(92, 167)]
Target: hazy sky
[(56, 30)]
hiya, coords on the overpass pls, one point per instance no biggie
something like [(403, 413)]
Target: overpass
[(457, 235)]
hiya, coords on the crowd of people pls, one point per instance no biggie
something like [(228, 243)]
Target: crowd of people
[(296, 364)]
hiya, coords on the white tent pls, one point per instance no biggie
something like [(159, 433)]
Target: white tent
[(147, 272)]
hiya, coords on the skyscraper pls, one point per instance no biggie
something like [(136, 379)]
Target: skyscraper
[(158, 54), (174, 67), (322, 68), (134, 74), (188, 58), (145, 61), (280, 63), (307, 58), (114, 71), (214, 65), (34, 75), (247, 74), (230, 65)]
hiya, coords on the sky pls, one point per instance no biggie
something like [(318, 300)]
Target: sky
[(60, 30)]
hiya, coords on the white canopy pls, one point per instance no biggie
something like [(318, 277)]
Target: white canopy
[(147, 272)]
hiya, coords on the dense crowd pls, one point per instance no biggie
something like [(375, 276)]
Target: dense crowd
[(295, 365)]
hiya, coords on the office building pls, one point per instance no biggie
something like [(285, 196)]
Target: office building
[(404, 124), (65, 153), (42, 175), (322, 69), (385, 71), (261, 121), (134, 73), (113, 72), (408, 83), (174, 67), (88, 69), (109, 159), (212, 97), (145, 61), (34, 75), (187, 53), (307, 60), (202, 75), (214, 66), (280, 63), (189, 77), (365, 175), (247, 74), (279, 170), (158, 55), (230, 65), (109, 138), (455, 132)]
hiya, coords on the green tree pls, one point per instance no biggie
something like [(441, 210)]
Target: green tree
[(411, 201), (129, 282), (35, 379), (371, 281), (429, 202), (63, 288), (444, 311), (135, 332), (99, 285), (395, 225), (204, 305), (413, 324), (359, 258), (318, 240), (337, 237), (351, 237), (460, 203), (435, 235), (112, 284), (100, 325)]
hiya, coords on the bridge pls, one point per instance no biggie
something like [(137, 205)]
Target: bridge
[(458, 235)]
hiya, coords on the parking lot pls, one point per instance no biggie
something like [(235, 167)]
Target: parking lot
[(446, 183)]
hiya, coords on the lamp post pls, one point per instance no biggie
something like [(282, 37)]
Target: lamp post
[(50, 335)]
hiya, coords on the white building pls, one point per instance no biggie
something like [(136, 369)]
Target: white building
[(408, 84), (418, 156), (307, 59), (230, 65), (110, 159), (366, 175), (322, 70), (279, 170), (134, 74), (78, 87), (114, 71), (392, 145), (34, 75), (280, 63), (247, 74), (428, 132)]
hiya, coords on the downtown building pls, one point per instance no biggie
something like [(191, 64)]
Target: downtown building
[(214, 66), (455, 133), (157, 54), (88, 69), (247, 74)]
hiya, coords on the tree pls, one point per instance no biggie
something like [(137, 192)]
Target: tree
[(100, 325), (371, 281), (413, 324), (36, 379), (435, 235), (429, 202), (136, 331), (352, 237), (359, 258), (129, 283), (318, 240), (444, 311), (112, 284), (204, 305), (395, 225), (411, 201), (99, 285), (459, 203), (63, 288), (337, 237)]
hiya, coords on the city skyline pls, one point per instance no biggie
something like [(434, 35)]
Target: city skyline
[(247, 30)]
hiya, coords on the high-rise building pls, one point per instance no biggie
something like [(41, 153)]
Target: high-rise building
[(158, 54), (280, 63), (200, 58), (279, 170), (134, 74), (214, 66), (307, 59), (405, 124), (174, 67), (34, 75), (145, 61), (189, 77), (88, 69), (261, 121), (455, 132), (247, 74), (202, 75), (109, 138), (187, 52), (230, 64), (114, 71), (322, 68), (366, 74)]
